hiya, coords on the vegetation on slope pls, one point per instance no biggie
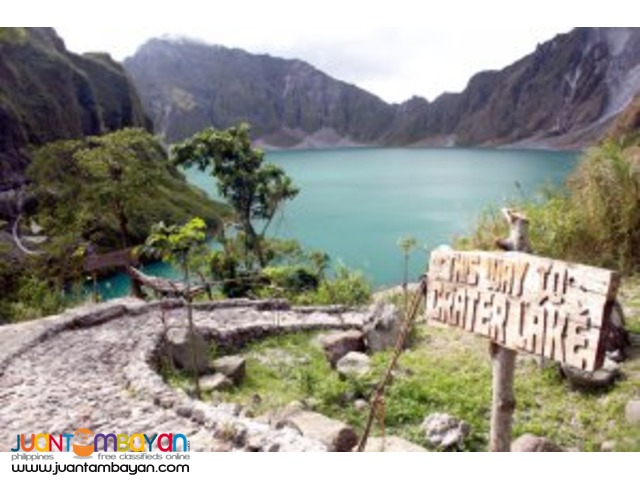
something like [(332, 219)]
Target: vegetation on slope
[(49, 94), (95, 195), (594, 220)]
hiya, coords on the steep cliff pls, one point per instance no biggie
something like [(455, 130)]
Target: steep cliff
[(187, 86), (48, 93), (628, 123), (566, 94)]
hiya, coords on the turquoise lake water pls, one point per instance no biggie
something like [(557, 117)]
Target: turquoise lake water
[(356, 204)]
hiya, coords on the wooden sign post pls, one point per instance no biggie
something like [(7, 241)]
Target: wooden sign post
[(521, 302)]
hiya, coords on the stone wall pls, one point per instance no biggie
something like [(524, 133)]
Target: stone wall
[(95, 367)]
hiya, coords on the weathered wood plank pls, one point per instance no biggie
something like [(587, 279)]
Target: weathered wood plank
[(546, 307)]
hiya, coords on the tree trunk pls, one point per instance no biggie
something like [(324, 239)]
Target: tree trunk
[(194, 353), (504, 403), (504, 360), (123, 223), (254, 242), (405, 284)]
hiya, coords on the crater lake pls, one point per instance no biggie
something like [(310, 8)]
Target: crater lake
[(355, 204)]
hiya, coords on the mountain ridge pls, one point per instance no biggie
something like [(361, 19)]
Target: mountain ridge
[(565, 94), (48, 93)]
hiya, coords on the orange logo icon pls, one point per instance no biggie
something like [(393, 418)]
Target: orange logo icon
[(83, 445)]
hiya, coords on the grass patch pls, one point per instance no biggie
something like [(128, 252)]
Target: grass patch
[(445, 371), (629, 296)]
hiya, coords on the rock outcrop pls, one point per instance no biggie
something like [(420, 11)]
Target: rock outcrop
[(354, 364), (532, 444), (335, 435), (187, 86), (188, 351), (445, 432), (338, 344)]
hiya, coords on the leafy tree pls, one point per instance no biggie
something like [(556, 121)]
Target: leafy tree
[(107, 191), (254, 189), (87, 187), (182, 246)]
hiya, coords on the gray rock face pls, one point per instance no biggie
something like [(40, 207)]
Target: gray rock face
[(531, 443), (215, 383), (337, 344), (361, 405), (234, 368), (75, 95), (382, 331), (392, 445), (616, 341), (565, 93), (286, 101), (185, 348), (337, 436), (354, 364), (616, 336), (587, 381), (445, 432), (632, 412)]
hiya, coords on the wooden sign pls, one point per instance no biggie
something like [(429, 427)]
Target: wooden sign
[(540, 306)]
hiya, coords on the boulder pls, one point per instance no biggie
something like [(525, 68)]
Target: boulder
[(335, 435), (445, 432), (632, 412), (383, 327), (354, 364), (616, 337), (392, 445), (598, 380), (182, 346), (234, 368), (531, 443), (608, 446), (616, 340), (215, 383), (361, 406), (337, 344)]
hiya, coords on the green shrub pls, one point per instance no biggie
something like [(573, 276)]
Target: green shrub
[(37, 298), (348, 288), (595, 220), (289, 281)]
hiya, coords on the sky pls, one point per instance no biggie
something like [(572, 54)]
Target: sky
[(394, 48), (394, 63)]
